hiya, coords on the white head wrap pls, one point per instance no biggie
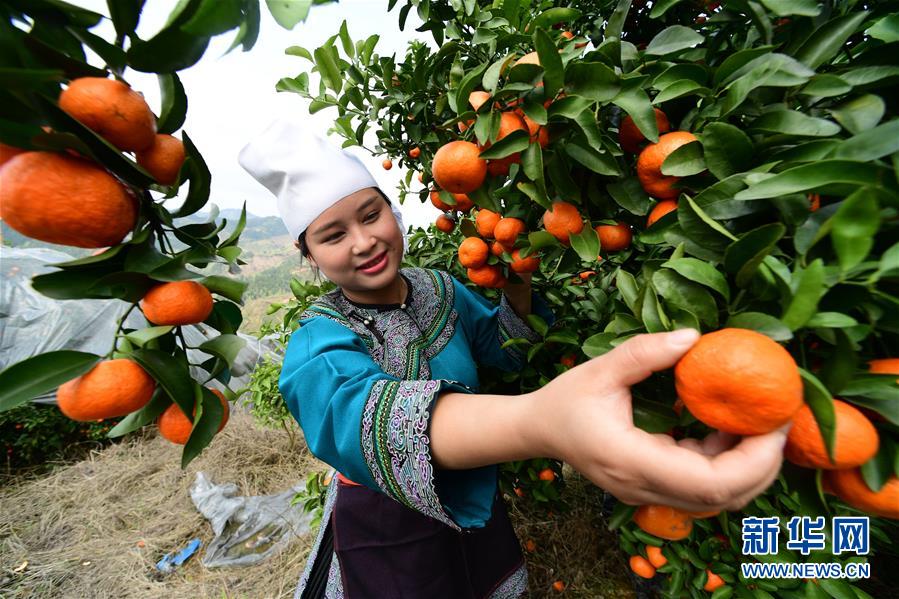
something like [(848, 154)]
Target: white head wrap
[(305, 172)]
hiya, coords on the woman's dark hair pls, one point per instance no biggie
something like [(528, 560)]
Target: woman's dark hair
[(301, 240)]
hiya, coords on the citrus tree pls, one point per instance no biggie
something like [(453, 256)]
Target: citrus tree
[(722, 166), (86, 163)]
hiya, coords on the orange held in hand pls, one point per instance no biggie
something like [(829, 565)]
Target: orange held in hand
[(163, 159), (614, 237), (490, 276), (660, 210), (111, 109), (562, 220), (110, 389), (739, 381), (507, 230), (445, 224), (175, 426), (641, 567), (472, 252), (855, 440), (631, 138), (485, 222), (649, 165), (664, 522), (849, 486), (65, 200), (458, 167), (177, 303)]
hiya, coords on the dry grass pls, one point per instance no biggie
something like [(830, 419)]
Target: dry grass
[(80, 527)]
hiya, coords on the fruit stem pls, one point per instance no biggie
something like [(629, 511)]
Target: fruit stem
[(119, 324)]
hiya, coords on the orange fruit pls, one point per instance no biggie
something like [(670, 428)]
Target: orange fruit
[(563, 220), (177, 303), (614, 237), (529, 58), (489, 275), (508, 229), (586, 274), (499, 167), (175, 426), (849, 486), (8, 152), (111, 388), (567, 35), (463, 203), (855, 442), (485, 222), (476, 99), (415, 152), (546, 474), (438, 203), (739, 381), (558, 586), (472, 252), (655, 556), (509, 123), (111, 109), (663, 521), (497, 249), (60, 199), (884, 366), (522, 265), (630, 137), (568, 360), (163, 159), (660, 210), (387, 164), (530, 545), (714, 581), (518, 491), (641, 566), (458, 167), (814, 202), (649, 165), (445, 223)]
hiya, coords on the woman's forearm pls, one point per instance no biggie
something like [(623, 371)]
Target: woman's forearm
[(468, 431)]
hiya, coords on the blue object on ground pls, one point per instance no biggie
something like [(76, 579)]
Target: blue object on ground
[(173, 560)]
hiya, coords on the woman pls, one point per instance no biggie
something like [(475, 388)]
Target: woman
[(382, 378)]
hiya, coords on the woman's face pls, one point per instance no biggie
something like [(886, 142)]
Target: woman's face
[(357, 244)]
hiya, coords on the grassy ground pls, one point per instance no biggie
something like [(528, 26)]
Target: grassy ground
[(96, 527)]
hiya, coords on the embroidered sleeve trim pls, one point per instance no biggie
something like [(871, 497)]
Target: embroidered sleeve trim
[(396, 446), (511, 326)]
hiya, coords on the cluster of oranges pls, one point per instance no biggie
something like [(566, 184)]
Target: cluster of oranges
[(67, 199), (757, 389)]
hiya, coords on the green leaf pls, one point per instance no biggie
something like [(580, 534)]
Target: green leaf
[(627, 285), (168, 51), (786, 8), (827, 40), (673, 39), (532, 163), (328, 67), (226, 287), (820, 401), (854, 226), (591, 80), (199, 176), (763, 323), (685, 161), (537, 324), (792, 122), (886, 29), (225, 347), (206, 424), (124, 15), (37, 375), (732, 66), (598, 162), (615, 24), (174, 103), (826, 86), (831, 320), (860, 114), (726, 149), (634, 101), (466, 86), (700, 228), (660, 7), (700, 272), (686, 295), (679, 89), (599, 344), (808, 177), (142, 336), (744, 256), (553, 75), (346, 41), (569, 106), (142, 417), (872, 144), (541, 239), (586, 244), (554, 16), (214, 17), (654, 318), (629, 194), (287, 13), (809, 290), (517, 141), (171, 373)]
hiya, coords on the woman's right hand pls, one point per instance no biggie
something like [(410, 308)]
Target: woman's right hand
[(584, 417)]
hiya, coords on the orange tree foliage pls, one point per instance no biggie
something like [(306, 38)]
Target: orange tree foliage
[(786, 202)]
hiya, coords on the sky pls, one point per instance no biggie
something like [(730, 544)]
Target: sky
[(232, 97)]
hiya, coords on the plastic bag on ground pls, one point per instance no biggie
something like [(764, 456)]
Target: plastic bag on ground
[(247, 529)]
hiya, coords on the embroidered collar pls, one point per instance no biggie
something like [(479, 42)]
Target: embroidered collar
[(410, 295)]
